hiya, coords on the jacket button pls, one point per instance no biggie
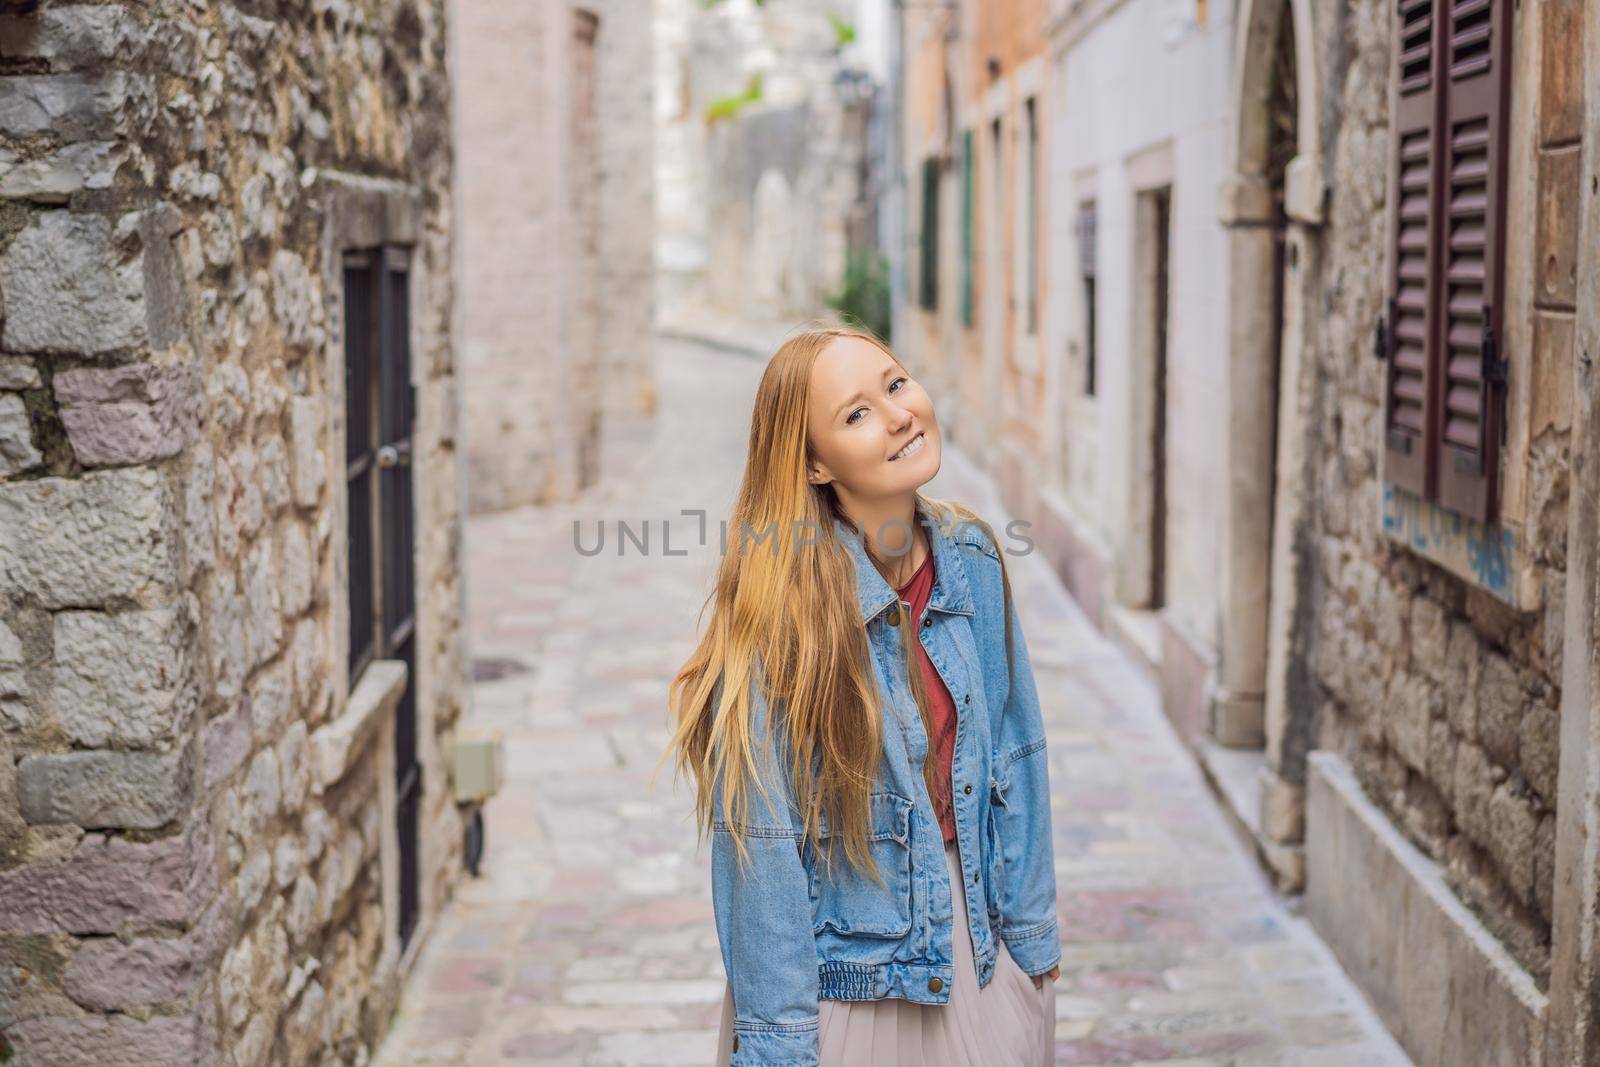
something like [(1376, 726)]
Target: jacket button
[(967, 789), (894, 616), (927, 620), (934, 985)]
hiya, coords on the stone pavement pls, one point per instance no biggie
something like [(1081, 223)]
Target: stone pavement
[(588, 939)]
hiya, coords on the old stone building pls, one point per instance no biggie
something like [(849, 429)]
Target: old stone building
[(1320, 310), (1429, 619), (769, 129), (1385, 708), (230, 598), (555, 131)]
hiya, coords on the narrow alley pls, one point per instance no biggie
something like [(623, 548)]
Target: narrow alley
[(588, 938), (375, 379)]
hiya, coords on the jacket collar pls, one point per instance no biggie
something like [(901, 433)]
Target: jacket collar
[(950, 594)]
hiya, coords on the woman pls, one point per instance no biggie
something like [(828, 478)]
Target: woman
[(873, 774)]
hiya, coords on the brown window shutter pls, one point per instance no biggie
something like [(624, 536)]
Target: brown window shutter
[(1409, 344), (1470, 388)]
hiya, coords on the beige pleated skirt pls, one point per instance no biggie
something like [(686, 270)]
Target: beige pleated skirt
[(1008, 1023)]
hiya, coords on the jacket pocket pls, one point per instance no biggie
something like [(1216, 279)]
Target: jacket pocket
[(850, 902), (995, 872)]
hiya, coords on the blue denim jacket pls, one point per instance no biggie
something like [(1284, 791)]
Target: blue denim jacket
[(789, 937)]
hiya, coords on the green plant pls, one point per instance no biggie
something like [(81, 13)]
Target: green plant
[(863, 296), (728, 106)]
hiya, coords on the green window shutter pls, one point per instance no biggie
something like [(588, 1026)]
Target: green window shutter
[(1087, 226), (928, 283)]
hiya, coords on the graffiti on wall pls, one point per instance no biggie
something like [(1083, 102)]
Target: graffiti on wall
[(1483, 554)]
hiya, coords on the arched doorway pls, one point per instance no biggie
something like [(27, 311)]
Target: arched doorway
[(1272, 210)]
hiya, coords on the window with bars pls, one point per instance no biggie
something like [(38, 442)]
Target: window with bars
[(928, 267), (1445, 381), (380, 406)]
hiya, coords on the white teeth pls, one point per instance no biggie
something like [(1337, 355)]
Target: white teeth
[(910, 450)]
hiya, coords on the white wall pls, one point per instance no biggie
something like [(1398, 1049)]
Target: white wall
[(1143, 77)]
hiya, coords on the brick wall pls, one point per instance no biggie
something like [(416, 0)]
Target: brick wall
[(557, 215)]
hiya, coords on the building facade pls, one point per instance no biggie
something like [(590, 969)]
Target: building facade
[(1309, 428), (975, 136), (768, 124), (1127, 477), (1066, 282), (231, 659), (555, 140), (1430, 613)]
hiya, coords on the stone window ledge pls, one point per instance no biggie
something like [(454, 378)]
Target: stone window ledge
[(336, 744)]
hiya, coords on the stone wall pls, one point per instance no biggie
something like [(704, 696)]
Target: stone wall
[(760, 207), (196, 854), (1442, 697)]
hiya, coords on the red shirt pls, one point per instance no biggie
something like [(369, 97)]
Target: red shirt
[(943, 710)]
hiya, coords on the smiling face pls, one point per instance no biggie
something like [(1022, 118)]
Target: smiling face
[(872, 428)]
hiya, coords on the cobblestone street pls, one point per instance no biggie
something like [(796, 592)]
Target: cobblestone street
[(588, 939)]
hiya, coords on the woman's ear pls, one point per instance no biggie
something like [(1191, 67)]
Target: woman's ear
[(817, 474)]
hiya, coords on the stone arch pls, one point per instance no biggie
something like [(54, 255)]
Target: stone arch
[(1260, 22), (1271, 206)]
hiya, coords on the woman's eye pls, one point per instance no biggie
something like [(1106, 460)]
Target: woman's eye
[(850, 420)]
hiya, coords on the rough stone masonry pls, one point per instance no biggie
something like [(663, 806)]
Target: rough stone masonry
[(191, 832), (1443, 700)]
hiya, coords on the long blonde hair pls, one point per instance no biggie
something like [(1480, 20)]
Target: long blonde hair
[(793, 612)]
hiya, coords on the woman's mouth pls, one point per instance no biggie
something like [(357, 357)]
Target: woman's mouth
[(911, 449)]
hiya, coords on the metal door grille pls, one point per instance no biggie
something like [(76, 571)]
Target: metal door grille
[(380, 405)]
